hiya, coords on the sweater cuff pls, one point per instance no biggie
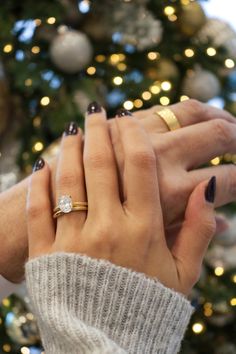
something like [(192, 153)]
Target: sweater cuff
[(135, 311)]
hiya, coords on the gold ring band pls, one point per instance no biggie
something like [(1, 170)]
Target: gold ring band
[(74, 204), (78, 208), (169, 118)]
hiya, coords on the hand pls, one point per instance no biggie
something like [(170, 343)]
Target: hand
[(206, 132), (130, 233)]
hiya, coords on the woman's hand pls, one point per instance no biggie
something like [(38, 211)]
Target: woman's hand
[(128, 233)]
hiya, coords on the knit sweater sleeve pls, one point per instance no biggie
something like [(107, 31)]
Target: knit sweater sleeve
[(86, 305)]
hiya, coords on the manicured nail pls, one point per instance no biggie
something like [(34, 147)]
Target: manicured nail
[(210, 191), (71, 129), (39, 164), (94, 107), (123, 113)]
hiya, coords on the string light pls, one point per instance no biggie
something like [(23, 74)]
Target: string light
[(208, 309), (229, 63), (38, 146), (166, 85), (114, 59), (51, 20), (153, 55), (233, 301), (234, 278), (146, 95), (100, 58), (184, 98), (215, 161), (211, 51), (91, 70), (37, 122), (37, 22), (8, 48), (219, 271), (25, 350), (117, 80), (164, 100), (28, 82), (189, 52), (172, 18), (6, 348), (121, 66), (128, 105), (197, 327), (138, 103), (155, 89), (121, 56), (185, 2), (169, 10), (45, 101), (35, 49)]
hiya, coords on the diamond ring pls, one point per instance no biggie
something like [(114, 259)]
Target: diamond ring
[(66, 206)]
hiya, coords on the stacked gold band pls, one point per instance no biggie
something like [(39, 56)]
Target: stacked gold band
[(74, 208), (169, 118)]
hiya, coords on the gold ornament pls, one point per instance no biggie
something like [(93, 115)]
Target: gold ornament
[(191, 18), (165, 69)]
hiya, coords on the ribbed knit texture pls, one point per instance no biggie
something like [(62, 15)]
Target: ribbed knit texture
[(85, 305)]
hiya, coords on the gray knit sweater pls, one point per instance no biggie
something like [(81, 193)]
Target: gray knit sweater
[(85, 305)]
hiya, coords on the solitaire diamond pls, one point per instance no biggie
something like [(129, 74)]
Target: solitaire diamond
[(65, 203)]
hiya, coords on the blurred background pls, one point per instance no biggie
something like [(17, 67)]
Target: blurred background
[(57, 56)]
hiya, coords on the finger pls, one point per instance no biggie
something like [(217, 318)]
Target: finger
[(197, 231), (198, 144), (140, 170), (226, 179), (188, 113), (70, 175), (40, 225), (99, 162)]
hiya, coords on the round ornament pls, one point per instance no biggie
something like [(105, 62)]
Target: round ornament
[(165, 69), (219, 33), (201, 84), (191, 18), (71, 51)]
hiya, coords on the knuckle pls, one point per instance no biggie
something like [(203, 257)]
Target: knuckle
[(223, 131), (142, 158), (195, 105), (68, 180)]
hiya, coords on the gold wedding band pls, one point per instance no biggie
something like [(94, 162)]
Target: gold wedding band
[(78, 208), (169, 118)]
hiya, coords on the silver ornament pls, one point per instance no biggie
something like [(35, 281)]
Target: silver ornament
[(201, 84), (71, 51), (219, 33)]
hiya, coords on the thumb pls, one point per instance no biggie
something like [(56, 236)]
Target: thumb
[(196, 233)]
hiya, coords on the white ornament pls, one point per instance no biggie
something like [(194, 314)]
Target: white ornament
[(71, 51), (201, 85), (219, 33)]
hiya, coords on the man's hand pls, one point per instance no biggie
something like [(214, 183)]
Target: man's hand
[(206, 132)]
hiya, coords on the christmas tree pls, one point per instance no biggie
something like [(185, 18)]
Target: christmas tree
[(58, 56)]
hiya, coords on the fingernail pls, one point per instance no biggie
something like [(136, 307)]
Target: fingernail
[(123, 113), (39, 164), (71, 129), (94, 107), (210, 191)]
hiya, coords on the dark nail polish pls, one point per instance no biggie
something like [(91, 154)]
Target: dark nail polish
[(39, 164), (210, 191), (71, 129), (123, 113), (94, 107)]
